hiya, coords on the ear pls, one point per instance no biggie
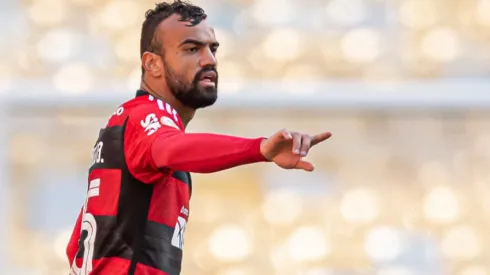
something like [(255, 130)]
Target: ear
[(152, 64)]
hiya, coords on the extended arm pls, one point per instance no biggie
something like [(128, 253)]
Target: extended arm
[(204, 153)]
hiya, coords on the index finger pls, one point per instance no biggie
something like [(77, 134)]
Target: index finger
[(320, 137)]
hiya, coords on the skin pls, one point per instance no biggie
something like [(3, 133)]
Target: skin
[(187, 51)]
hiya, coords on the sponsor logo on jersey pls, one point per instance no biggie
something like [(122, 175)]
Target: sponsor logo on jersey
[(150, 124), (168, 122)]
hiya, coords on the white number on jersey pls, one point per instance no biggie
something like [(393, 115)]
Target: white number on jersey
[(178, 237), (90, 226), (97, 153)]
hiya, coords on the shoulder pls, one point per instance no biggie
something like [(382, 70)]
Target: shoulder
[(147, 111)]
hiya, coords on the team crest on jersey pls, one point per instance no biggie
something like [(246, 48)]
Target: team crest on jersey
[(150, 124), (168, 122)]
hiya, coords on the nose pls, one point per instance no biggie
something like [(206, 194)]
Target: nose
[(208, 58)]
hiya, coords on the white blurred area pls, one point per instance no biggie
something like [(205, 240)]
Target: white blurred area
[(401, 189)]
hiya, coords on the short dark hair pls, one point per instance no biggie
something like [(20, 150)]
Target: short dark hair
[(188, 13)]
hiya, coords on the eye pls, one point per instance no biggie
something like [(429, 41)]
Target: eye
[(214, 49), (193, 49)]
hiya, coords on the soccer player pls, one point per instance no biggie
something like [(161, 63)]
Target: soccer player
[(139, 185)]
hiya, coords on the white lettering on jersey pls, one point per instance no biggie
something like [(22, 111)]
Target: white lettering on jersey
[(119, 111), (168, 122), (151, 124), (171, 111), (97, 153), (165, 107), (184, 211), (180, 226)]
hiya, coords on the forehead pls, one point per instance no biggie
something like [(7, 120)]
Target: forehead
[(173, 32)]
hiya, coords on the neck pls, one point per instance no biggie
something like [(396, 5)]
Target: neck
[(185, 113)]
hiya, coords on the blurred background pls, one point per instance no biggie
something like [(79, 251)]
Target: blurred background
[(402, 188)]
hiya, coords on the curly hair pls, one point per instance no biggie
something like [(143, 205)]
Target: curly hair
[(188, 13)]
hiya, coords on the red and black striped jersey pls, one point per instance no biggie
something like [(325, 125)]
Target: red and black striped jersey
[(135, 213)]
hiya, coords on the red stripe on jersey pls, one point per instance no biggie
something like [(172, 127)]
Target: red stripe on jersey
[(107, 203), (176, 195)]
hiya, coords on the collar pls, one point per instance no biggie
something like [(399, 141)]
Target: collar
[(141, 93)]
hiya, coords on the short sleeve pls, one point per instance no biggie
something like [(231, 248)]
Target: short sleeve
[(145, 123)]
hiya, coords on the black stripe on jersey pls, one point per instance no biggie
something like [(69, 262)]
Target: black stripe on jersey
[(111, 152), (109, 241), (184, 177), (156, 249)]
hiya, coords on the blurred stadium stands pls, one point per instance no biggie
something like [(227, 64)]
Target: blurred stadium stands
[(401, 189)]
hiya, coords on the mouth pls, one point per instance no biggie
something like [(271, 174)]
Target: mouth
[(208, 79)]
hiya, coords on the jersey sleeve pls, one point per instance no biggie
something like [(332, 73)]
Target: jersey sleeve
[(145, 124)]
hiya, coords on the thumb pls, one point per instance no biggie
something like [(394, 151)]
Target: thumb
[(305, 165)]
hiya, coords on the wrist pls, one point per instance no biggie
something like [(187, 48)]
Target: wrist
[(263, 141)]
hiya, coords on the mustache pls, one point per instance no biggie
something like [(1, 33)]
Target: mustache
[(204, 70)]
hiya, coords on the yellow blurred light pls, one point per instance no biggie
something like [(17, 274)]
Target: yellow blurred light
[(119, 15), (483, 12), (302, 72), (128, 46), (74, 78), (283, 45), (236, 271), (229, 71), (58, 45), (460, 242), (318, 271), (441, 45), (84, 2), (134, 79), (209, 208), (27, 149), (474, 270), (361, 45), (383, 243), (346, 12), (359, 206), (283, 11), (441, 205), (231, 76), (308, 243), (418, 13), (48, 12), (281, 207), (433, 172), (61, 242), (395, 271), (230, 243)]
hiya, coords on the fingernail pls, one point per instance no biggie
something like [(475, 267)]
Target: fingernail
[(303, 154), (296, 151)]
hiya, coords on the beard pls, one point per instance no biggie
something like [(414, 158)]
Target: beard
[(191, 94)]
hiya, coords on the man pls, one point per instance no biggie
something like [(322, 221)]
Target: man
[(137, 203)]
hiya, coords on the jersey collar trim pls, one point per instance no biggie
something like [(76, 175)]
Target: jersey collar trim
[(141, 93)]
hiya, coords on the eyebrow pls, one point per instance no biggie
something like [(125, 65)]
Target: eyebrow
[(197, 42)]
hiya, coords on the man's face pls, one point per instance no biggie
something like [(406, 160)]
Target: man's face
[(189, 61)]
